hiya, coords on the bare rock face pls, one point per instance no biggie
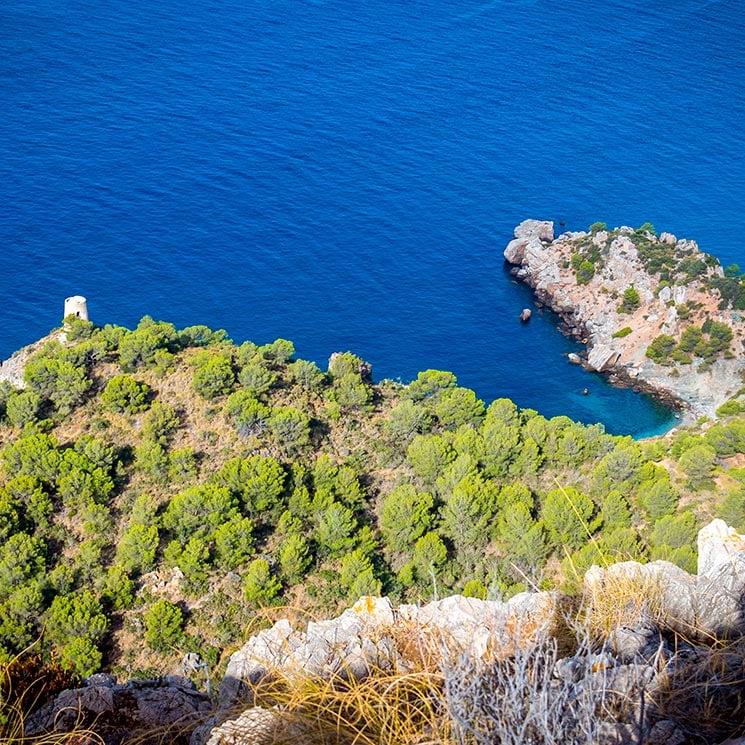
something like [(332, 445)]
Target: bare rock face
[(721, 580), (170, 707), (603, 357), (530, 236)]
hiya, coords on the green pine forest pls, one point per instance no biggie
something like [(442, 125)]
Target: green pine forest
[(162, 490)]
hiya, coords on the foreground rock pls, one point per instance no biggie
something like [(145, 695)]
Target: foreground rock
[(653, 654), (651, 667), (364, 638), (120, 713), (671, 286)]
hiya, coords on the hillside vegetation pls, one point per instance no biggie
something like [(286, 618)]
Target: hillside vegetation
[(169, 485)]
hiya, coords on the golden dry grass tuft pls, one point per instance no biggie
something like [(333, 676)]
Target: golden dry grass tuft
[(384, 708), (619, 599)]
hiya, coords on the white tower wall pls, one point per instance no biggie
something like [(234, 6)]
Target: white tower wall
[(76, 305)]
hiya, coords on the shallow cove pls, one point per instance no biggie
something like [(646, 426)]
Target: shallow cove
[(559, 385)]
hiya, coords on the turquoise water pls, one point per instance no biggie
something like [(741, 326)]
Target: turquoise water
[(346, 175)]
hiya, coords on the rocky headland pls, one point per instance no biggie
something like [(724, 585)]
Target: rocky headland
[(654, 311)]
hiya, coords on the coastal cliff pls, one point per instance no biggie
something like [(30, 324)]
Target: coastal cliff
[(655, 312)]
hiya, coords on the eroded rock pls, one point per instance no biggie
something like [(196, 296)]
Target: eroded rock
[(123, 712)]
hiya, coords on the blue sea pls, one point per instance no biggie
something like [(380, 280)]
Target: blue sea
[(347, 174)]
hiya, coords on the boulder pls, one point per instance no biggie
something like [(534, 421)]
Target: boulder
[(720, 585), (255, 726), (602, 357), (533, 233), (123, 712), (541, 229)]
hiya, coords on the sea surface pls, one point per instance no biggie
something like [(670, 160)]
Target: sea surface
[(346, 174)]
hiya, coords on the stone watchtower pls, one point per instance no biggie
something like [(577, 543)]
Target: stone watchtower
[(76, 306)]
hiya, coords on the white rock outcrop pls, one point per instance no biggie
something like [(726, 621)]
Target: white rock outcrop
[(590, 309)]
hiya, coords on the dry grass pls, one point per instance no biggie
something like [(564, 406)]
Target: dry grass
[(26, 682), (703, 690), (620, 599), (384, 708)]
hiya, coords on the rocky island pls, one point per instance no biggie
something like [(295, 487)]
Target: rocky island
[(655, 311)]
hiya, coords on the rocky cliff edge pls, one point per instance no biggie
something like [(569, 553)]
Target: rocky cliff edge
[(650, 654)]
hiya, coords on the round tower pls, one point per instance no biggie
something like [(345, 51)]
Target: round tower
[(76, 305)]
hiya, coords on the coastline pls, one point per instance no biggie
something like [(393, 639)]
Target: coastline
[(591, 308)]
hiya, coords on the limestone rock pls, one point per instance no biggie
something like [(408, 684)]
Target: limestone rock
[(256, 726), (269, 649), (531, 233), (637, 640), (602, 357), (541, 229), (721, 580)]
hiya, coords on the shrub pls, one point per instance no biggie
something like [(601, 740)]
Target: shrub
[(259, 585), (75, 623), (661, 348), (23, 407), (139, 348), (631, 300), (64, 384), (692, 267), (160, 423), (730, 408), (164, 623), (256, 378), (698, 464), (214, 377), (202, 336), (125, 395), (585, 271), (621, 333)]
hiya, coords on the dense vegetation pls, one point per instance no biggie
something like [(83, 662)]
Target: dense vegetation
[(166, 485)]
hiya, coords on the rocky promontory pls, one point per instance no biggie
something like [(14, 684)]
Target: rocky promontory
[(655, 311)]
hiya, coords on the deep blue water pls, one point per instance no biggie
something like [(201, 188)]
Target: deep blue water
[(347, 174)]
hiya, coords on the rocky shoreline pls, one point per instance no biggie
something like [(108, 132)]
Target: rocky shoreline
[(600, 285)]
